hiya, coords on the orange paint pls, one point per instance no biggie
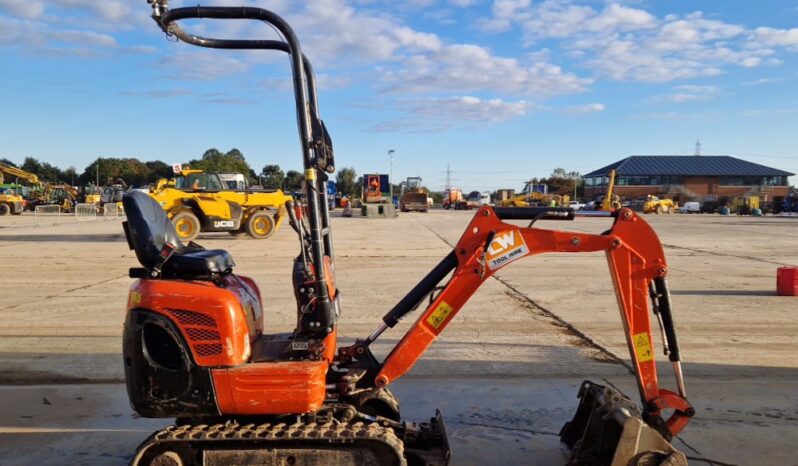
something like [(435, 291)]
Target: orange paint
[(271, 388), (635, 258), (216, 322)]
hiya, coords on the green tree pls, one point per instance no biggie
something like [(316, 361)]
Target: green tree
[(5, 161), (133, 171), (293, 181), (70, 175), (43, 170), (158, 170), (214, 161), (359, 186), (273, 176), (346, 181), (562, 182)]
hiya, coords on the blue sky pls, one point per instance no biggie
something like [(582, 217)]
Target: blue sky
[(499, 90)]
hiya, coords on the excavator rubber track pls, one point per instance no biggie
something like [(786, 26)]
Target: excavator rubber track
[(272, 444)]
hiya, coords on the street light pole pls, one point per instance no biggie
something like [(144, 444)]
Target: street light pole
[(390, 178)]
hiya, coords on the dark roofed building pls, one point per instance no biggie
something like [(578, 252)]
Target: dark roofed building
[(688, 177)]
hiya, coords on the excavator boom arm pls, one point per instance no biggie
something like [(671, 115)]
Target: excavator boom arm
[(18, 173), (637, 267)]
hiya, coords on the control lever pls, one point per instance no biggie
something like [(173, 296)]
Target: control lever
[(292, 220), (299, 229)]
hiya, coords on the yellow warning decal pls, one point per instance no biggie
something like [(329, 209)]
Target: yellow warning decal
[(310, 174), (135, 298), (439, 315), (643, 347)]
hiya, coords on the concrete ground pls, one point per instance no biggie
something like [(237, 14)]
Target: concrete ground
[(504, 373)]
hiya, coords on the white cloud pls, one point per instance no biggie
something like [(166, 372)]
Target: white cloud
[(776, 37), (201, 65), (586, 108), (23, 8), (628, 43), (470, 68), (442, 114), (760, 81), (688, 93)]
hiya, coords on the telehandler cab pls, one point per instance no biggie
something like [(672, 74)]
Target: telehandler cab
[(196, 348)]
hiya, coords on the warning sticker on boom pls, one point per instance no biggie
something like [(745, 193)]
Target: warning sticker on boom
[(642, 347), (505, 248), (439, 315)]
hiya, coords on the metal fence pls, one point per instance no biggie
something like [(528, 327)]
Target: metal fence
[(49, 212), (112, 209), (85, 211)]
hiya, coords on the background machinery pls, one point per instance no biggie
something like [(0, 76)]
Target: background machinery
[(655, 205), (536, 195), (376, 189), (62, 195), (376, 197), (610, 201), (110, 195), (529, 195), (414, 196), (197, 201), (196, 346), (453, 199), (11, 200), (745, 205)]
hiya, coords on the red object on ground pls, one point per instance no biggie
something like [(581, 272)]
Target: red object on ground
[(787, 281)]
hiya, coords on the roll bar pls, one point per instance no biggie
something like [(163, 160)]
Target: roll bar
[(316, 144)]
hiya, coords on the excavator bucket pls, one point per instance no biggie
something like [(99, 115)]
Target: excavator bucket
[(608, 430)]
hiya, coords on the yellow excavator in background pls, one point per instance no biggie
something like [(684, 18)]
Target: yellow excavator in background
[(63, 195), (529, 196), (196, 201), (12, 202), (525, 198), (611, 200)]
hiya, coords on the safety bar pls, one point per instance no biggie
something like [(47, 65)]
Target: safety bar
[(534, 213), (304, 95), (167, 20)]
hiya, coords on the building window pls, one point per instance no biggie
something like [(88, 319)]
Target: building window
[(774, 181)]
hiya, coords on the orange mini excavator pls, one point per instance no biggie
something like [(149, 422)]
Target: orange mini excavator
[(195, 347)]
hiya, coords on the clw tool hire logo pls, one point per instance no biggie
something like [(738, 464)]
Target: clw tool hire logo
[(505, 248)]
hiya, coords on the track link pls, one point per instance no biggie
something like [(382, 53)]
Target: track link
[(299, 443)]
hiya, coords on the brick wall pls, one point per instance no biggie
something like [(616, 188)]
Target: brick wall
[(699, 186)]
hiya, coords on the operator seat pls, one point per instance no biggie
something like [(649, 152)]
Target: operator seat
[(150, 233)]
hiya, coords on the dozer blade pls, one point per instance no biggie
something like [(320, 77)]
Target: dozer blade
[(429, 446), (608, 430)]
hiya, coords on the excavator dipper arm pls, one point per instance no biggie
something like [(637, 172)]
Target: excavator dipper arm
[(637, 267)]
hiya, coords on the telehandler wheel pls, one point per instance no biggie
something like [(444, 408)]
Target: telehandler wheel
[(260, 225), (187, 225), (4, 209), (659, 209)]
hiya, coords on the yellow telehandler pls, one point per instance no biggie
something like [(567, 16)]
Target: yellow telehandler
[(196, 201), (656, 205), (10, 200)]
